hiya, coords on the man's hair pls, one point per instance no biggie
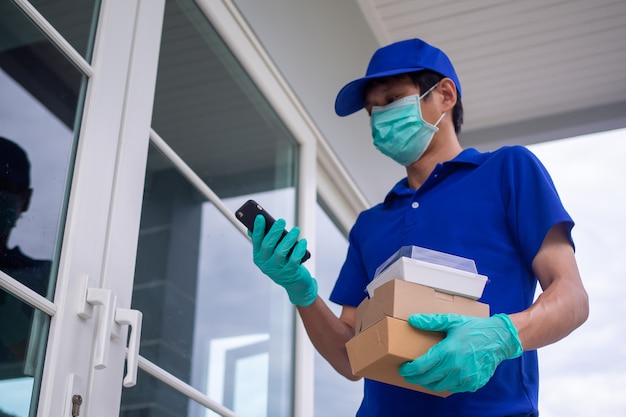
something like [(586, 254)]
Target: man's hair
[(425, 79)]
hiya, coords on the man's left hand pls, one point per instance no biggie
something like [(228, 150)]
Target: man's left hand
[(468, 356)]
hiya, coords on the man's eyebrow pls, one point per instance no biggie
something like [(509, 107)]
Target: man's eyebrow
[(386, 90)]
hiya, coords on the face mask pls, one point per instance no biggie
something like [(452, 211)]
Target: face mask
[(400, 132)]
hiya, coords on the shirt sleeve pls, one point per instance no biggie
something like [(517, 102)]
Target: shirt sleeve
[(532, 202)]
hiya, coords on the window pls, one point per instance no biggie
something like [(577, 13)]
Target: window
[(210, 318), (334, 394), (39, 109)]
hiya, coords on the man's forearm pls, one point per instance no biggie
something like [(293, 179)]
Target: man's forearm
[(557, 312), (329, 335)]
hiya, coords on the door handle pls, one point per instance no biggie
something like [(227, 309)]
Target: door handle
[(134, 319), (110, 320), (107, 301)]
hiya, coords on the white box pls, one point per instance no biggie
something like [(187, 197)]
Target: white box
[(441, 278), (430, 256)]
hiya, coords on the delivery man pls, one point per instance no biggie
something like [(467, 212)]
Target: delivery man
[(499, 208)]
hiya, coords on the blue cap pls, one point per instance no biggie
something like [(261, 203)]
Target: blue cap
[(14, 167), (398, 58)]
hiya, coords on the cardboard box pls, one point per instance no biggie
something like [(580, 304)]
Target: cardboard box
[(384, 340), (378, 352), (442, 278), (400, 299)]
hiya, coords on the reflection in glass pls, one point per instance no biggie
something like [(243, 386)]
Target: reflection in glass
[(15, 195), (150, 387), (23, 335), (38, 113), (334, 394), (75, 20), (210, 317), (210, 112), (39, 109)]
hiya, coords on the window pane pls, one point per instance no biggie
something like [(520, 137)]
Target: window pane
[(23, 336), (39, 110), (75, 20), (38, 114), (212, 115), (334, 394), (172, 402), (209, 316), (177, 404)]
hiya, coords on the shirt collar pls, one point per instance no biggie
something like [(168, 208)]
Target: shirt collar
[(469, 156)]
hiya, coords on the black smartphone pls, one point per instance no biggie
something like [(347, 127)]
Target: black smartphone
[(248, 212)]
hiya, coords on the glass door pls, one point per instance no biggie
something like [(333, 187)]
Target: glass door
[(42, 87), (77, 85)]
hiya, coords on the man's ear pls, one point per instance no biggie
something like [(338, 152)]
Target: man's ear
[(25, 196), (448, 92)]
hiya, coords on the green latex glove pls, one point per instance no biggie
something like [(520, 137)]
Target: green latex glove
[(468, 356), (271, 255)]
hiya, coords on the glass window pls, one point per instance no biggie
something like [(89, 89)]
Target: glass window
[(150, 387), (38, 114), (210, 317), (23, 337), (334, 394), (39, 109), (75, 20), (211, 113)]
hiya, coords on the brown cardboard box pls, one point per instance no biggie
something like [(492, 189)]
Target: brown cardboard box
[(400, 299), (378, 352), (384, 340)]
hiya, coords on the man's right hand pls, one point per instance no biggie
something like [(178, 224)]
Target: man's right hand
[(271, 255)]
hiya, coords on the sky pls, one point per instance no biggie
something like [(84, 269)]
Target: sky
[(585, 373)]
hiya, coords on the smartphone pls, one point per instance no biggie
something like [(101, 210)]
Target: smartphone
[(248, 212)]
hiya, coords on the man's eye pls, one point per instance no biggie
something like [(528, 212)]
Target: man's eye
[(394, 98)]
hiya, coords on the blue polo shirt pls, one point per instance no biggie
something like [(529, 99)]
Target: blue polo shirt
[(495, 208)]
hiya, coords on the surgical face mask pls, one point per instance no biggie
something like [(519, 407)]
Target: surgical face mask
[(400, 132)]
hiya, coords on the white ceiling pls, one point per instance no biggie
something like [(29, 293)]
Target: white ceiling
[(526, 66)]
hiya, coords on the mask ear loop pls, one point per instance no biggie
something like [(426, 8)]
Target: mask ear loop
[(439, 120), (429, 90), (425, 94)]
